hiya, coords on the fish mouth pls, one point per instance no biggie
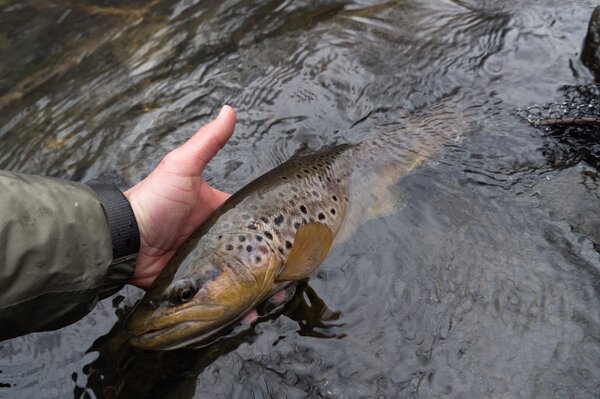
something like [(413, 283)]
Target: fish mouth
[(155, 338), (188, 328), (153, 333)]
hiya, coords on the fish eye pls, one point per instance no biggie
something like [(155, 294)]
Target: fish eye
[(186, 294), (182, 291)]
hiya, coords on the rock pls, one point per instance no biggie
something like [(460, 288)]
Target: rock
[(590, 55)]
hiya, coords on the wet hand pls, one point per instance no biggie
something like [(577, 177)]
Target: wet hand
[(174, 199)]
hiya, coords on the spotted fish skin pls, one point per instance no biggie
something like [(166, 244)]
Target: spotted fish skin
[(305, 189), (232, 262)]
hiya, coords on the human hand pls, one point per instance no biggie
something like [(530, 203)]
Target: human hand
[(174, 199)]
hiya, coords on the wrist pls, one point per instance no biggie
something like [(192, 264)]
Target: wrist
[(121, 220)]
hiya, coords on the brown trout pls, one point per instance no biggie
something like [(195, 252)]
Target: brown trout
[(277, 230)]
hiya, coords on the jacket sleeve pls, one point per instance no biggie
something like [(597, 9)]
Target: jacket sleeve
[(55, 254)]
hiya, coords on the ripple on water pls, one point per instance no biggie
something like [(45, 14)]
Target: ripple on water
[(482, 283)]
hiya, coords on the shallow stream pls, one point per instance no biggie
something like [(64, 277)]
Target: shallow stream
[(485, 282)]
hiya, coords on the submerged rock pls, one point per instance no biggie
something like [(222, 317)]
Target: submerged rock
[(590, 55)]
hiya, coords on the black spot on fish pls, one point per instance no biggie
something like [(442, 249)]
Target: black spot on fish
[(268, 235), (306, 171), (298, 175), (303, 209), (258, 238), (316, 194), (304, 220), (334, 198), (280, 250), (321, 216), (332, 210), (280, 194), (249, 248), (294, 189), (338, 180), (220, 237), (252, 226), (242, 238), (288, 244), (296, 225), (278, 220), (264, 219), (284, 178), (229, 247), (258, 259)]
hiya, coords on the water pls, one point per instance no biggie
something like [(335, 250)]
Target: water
[(485, 283)]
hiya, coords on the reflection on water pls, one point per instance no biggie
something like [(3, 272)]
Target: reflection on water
[(485, 283)]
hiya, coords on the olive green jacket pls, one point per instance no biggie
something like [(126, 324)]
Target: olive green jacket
[(55, 254)]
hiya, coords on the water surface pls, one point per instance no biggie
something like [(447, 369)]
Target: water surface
[(484, 283)]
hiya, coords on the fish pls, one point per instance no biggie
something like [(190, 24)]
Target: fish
[(278, 229)]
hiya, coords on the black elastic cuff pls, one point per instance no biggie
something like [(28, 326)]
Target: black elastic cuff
[(121, 220)]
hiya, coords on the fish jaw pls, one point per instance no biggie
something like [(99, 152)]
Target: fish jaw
[(161, 329)]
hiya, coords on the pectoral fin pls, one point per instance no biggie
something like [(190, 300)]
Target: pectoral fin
[(311, 245)]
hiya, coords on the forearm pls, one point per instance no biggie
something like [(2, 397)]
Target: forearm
[(55, 253)]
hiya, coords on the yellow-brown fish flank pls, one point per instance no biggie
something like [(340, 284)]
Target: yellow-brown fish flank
[(276, 230), (307, 189)]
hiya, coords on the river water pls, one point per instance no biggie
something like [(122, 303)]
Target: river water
[(485, 282)]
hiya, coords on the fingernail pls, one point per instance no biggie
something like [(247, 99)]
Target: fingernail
[(222, 111)]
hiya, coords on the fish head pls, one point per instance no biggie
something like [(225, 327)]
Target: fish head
[(202, 297)]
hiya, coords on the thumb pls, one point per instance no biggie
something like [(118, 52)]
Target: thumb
[(205, 144)]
